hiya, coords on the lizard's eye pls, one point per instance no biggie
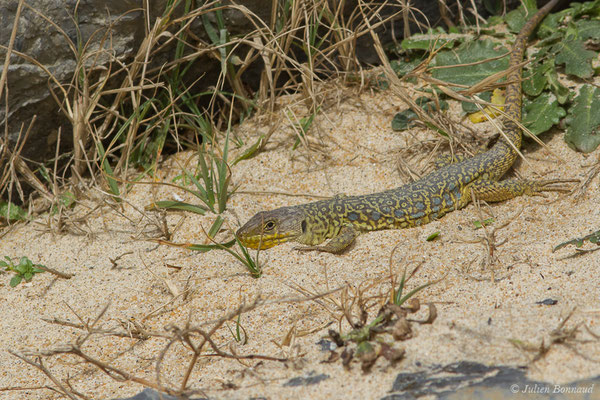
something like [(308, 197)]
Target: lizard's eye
[(269, 225)]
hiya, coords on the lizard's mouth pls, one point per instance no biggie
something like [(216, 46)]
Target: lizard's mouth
[(264, 241)]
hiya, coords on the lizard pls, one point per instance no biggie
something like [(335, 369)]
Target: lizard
[(342, 218)]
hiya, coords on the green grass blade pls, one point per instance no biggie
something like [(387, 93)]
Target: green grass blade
[(177, 205), (108, 171), (214, 229)]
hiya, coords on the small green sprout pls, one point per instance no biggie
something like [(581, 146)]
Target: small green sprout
[(480, 224), (433, 236), (25, 269)]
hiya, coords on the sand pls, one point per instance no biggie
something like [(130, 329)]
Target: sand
[(352, 150)]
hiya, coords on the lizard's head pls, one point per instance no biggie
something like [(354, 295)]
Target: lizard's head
[(270, 228)]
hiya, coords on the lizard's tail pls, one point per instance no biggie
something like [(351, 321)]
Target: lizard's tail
[(513, 95)]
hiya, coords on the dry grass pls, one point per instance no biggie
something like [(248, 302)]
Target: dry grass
[(149, 108)]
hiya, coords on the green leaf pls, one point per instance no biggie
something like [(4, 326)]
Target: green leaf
[(479, 224), (380, 82), (492, 21), (430, 41), (203, 248), (583, 121), (108, 171), (535, 79), (67, 199), (494, 7), (177, 205), (364, 347), (433, 236), (549, 25), (12, 212), (404, 120), (516, 19), (469, 107), (431, 106), (589, 7), (593, 237), (214, 229), (542, 113), (577, 60), (403, 68), (252, 264), (250, 151), (561, 92), (210, 29), (587, 29), (304, 125), (15, 280), (470, 52)]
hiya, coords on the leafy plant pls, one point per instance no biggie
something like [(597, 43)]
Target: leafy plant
[(303, 126), (240, 335), (593, 237), (542, 113), (211, 181), (480, 57), (25, 269), (480, 224), (252, 264), (405, 119), (391, 319), (397, 297), (12, 212), (215, 176), (566, 36), (583, 122)]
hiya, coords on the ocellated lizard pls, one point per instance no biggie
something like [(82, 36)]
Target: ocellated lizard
[(342, 218)]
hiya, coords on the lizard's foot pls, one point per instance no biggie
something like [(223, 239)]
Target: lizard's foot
[(337, 244), (536, 188)]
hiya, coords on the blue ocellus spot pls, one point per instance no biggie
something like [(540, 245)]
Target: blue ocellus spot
[(417, 215), (375, 216), (353, 216), (399, 213), (448, 199), (420, 205), (436, 201), (386, 210)]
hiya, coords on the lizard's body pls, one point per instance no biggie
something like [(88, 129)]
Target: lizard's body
[(446, 189)]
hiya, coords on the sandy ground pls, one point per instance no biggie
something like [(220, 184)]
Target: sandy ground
[(352, 151)]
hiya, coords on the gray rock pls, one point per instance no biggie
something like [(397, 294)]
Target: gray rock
[(471, 380), (150, 394), (307, 380), (28, 92), (42, 40)]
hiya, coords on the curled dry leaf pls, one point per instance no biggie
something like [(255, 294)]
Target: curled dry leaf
[(392, 354), (402, 329)]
